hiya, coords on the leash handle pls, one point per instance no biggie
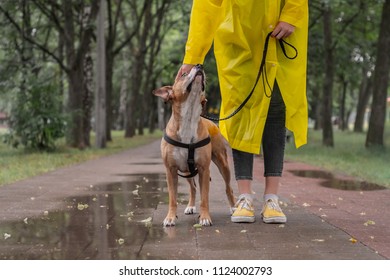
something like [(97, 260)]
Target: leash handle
[(261, 73)]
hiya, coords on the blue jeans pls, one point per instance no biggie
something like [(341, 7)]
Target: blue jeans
[(273, 143)]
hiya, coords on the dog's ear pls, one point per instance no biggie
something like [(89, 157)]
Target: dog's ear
[(164, 92)]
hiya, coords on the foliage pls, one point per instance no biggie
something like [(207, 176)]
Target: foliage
[(36, 120)]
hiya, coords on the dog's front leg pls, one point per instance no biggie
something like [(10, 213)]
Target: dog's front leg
[(204, 183), (191, 209), (172, 181)]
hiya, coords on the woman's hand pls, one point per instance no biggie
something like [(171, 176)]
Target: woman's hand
[(283, 30), (184, 69)]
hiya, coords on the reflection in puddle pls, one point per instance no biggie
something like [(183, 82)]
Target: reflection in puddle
[(111, 223), (336, 183)]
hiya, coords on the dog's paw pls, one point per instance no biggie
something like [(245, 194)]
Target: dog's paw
[(190, 210), (169, 222), (205, 222)]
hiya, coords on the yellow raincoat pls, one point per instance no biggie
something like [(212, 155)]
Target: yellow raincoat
[(238, 29)]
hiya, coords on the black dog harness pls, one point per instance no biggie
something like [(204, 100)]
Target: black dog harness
[(191, 153)]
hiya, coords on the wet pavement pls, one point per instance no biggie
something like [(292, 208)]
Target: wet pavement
[(112, 208)]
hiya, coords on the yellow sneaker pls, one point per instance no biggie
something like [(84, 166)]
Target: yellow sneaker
[(272, 214), (244, 211)]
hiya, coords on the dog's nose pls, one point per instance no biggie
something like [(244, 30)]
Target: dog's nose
[(199, 66)]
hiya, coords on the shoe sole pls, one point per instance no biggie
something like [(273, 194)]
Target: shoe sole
[(242, 219), (275, 220)]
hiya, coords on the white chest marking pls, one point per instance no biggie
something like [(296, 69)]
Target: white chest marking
[(188, 132)]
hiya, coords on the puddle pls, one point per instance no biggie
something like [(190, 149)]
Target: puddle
[(330, 181), (110, 223)]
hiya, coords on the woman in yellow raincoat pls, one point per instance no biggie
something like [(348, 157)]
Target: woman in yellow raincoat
[(238, 29)]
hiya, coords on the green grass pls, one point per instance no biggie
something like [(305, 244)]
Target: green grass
[(18, 164), (349, 156)]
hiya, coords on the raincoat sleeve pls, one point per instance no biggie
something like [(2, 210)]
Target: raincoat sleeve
[(294, 12), (205, 18)]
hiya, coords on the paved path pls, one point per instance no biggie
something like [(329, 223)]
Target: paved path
[(112, 208)]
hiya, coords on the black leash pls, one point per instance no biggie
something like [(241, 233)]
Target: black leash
[(191, 152), (261, 73)]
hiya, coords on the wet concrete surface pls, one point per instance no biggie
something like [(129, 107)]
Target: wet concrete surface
[(111, 221), (113, 208)]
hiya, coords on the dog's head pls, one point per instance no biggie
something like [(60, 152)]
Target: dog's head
[(188, 84)]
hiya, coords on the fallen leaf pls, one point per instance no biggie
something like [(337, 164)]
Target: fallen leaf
[(217, 231), (148, 220), (282, 203), (25, 221), (243, 231), (369, 222), (135, 192), (82, 206), (305, 204), (353, 240), (6, 236), (120, 241), (197, 226)]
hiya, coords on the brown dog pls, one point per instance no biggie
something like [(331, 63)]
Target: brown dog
[(186, 129)]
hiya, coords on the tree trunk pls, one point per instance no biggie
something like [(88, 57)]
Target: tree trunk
[(136, 79), (100, 104), (87, 98), (88, 87), (75, 136), (365, 91), (327, 128), (343, 122), (75, 55), (375, 134), (109, 90)]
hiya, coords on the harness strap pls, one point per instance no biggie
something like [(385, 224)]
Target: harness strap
[(191, 152)]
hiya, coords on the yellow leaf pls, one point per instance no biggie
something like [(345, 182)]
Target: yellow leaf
[(369, 222)]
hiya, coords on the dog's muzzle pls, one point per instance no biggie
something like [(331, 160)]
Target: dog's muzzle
[(198, 72)]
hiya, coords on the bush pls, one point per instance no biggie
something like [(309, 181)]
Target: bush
[(36, 120)]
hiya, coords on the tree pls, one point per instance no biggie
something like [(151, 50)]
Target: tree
[(100, 104), (375, 134), (327, 128)]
